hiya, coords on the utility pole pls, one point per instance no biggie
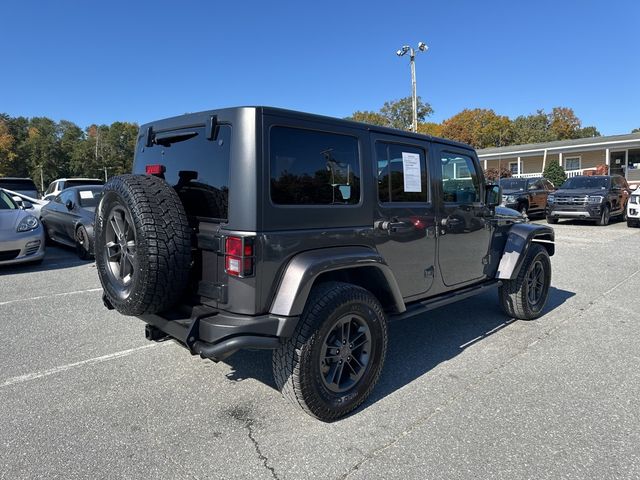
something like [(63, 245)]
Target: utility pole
[(422, 47), (41, 179)]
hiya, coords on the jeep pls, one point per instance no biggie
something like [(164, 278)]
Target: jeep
[(262, 228)]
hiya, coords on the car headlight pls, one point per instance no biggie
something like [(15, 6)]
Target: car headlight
[(510, 198), (551, 199), (28, 223), (595, 199)]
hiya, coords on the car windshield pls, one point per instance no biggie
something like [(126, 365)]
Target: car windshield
[(586, 182), (6, 203), (89, 197), (513, 183), (78, 183)]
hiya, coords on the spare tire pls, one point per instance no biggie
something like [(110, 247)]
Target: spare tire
[(142, 244)]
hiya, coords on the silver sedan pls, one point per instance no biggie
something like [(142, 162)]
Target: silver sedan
[(21, 233)]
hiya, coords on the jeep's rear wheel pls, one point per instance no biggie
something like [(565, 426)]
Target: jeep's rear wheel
[(333, 360), (142, 244), (525, 296)]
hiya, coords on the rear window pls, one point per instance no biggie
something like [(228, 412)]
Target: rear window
[(309, 167), (89, 197), (17, 184), (77, 183), (196, 167)]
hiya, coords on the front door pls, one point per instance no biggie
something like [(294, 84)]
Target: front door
[(464, 234), (405, 219)]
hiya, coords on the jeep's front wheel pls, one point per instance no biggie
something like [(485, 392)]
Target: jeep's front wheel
[(525, 296), (142, 244), (333, 360)]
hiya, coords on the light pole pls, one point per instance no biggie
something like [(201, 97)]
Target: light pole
[(422, 47)]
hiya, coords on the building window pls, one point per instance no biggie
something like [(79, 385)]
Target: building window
[(572, 163), (513, 166)]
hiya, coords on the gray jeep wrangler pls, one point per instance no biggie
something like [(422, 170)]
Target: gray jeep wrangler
[(263, 228)]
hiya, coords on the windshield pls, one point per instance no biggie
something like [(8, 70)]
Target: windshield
[(513, 183), (78, 183), (89, 197), (586, 182), (6, 203)]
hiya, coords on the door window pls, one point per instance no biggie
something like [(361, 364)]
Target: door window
[(402, 173), (65, 197), (460, 183)]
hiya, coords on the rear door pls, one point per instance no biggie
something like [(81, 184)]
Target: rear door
[(404, 218), (464, 233)]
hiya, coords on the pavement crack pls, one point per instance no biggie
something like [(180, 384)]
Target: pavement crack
[(265, 461)]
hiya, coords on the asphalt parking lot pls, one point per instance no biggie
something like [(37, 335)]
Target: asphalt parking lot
[(465, 393)]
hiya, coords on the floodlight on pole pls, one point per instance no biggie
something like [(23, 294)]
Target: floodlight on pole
[(422, 47)]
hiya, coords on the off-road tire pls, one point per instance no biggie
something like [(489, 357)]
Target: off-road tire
[(296, 365), (605, 216), (514, 294), (552, 220), (162, 243), (84, 247)]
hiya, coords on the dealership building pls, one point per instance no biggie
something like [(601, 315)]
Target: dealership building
[(581, 156)]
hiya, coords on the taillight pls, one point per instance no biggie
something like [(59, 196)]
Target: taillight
[(239, 256), (155, 169)]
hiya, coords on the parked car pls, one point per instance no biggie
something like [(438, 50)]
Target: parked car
[(597, 198), (21, 233), (633, 209), (27, 203), (24, 186), (69, 218), (60, 184), (526, 195), (305, 235)]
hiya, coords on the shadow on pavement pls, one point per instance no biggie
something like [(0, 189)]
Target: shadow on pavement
[(416, 345), (56, 257)]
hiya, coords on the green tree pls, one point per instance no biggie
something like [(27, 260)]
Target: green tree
[(555, 173), (42, 150), (481, 128), (399, 113), (534, 128), (430, 128), (372, 118), (119, 143), (635, 130), (6, 148), (587, 132)]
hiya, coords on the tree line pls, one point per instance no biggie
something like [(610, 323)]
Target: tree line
[(481, 127), (44, 150)]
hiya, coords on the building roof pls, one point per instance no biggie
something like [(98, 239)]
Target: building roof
[(589, 143)]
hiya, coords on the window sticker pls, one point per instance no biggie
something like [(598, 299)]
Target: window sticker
[(411, 171), (86, 194)]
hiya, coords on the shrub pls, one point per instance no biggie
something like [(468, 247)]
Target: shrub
[(494, 174), (555, 173)]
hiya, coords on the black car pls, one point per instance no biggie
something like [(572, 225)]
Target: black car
[(526, 195), (69, 218), (257, 227), (590, 197)]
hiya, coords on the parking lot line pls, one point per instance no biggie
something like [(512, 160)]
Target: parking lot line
[(50, 296), (63, 368)]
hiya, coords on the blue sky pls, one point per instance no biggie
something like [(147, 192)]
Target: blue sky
[(140, 60)]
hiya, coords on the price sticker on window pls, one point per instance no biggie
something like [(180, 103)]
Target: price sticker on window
[(411, 171), (86, 194)]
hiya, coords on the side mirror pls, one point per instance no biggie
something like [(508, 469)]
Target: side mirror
[(27, 205), (69, 205), (493, 196)]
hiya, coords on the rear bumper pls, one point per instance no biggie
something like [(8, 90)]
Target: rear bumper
[(213, 334)]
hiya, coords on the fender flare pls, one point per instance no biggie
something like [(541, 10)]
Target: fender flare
[(303, 269), (521, 235)]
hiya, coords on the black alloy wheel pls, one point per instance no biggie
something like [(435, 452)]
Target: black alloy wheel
[(347, 349), (605, 216), (83, 243), (120, 246)]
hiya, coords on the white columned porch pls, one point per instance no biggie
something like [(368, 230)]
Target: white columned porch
[(544, 159), (485, 163), (519, 166), (560, 158), (607, 157)]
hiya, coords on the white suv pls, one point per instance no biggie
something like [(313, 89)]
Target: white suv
[(60, 184), (633, 209)]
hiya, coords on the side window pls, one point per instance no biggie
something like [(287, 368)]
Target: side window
[(309, 167), (65, 197), (402, 173), (51, 188), (460, 182)]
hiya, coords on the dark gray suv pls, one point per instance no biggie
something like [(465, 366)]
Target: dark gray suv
[(257, 227)]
